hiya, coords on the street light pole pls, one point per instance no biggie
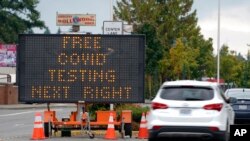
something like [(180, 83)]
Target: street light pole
[(111, 106), (218, 45), (111, 10)]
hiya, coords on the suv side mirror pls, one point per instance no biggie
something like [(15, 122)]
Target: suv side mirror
[(232, 100)]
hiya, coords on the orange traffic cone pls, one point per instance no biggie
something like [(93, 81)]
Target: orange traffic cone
[(38, 131), (110, 134), (143, 131)]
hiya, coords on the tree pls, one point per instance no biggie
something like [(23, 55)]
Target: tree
[(30, 31), (183, 60), (205, 59), (154, 53), (59, 31), (47, 31), (167, 23), (18, 16), (245, 79), (171, 19), (231, 67)]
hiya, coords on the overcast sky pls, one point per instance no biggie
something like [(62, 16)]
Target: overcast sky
[(235, 18)]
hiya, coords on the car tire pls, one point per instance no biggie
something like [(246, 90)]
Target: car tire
[(47, 129), (128, 129), (226, 136), (152, 139)]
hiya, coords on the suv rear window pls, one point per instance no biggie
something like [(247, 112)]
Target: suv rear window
[(239, 94), (187, 93)]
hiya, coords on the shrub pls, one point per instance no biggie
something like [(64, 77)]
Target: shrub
[(92, 108), (136, 109)]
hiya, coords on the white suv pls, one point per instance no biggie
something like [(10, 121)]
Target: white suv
[(189, 108)]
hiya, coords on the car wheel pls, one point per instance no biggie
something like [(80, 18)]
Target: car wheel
[(152, 139), (128, 129), (47, 129), (226, 136)]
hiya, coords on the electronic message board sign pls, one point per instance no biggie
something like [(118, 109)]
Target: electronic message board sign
[(71, 68)]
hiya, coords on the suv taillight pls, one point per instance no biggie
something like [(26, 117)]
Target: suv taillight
[(216, 106), (156, 105), (213, 128), (156, 127)]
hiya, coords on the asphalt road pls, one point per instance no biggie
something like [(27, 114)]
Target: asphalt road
[(17, 125)]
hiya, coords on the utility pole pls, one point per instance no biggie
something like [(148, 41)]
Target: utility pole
[(218, 45), (111, 106)]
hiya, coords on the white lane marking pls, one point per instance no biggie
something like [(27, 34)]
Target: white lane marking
[(20, 113), (21, 124), (14, 114)]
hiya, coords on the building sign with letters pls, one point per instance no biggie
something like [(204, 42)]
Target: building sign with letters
[(76, 19), (114, 28), (73, 67)]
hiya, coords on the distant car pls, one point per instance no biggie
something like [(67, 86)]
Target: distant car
[(192, 109), (242, 107)]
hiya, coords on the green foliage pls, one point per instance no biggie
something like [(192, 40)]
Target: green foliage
[(183, 60), (154, 53), (245, 77), (205, 59), (154, 49), (175, 47), (18, 16), (166, 24), (231, 66), (137, 110), (47, 31), (59, 31), (92, 108)]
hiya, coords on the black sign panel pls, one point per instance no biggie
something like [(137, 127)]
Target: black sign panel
[(239, 132), (72, 68)]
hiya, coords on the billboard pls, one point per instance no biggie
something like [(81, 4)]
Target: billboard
[(75, 19), (72, 67), (7, 55)]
